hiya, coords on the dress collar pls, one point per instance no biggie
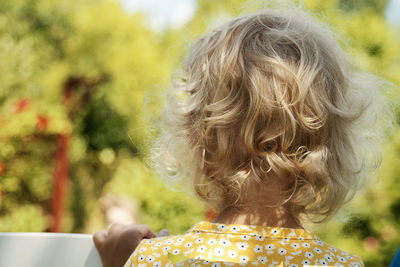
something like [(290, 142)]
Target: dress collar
[(253, 230)]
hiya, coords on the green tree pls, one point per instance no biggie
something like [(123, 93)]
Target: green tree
[(78, 69)]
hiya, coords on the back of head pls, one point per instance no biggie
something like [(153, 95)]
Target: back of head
[(272, 96)]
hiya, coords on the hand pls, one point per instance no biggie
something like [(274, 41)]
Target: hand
[(117, 243)]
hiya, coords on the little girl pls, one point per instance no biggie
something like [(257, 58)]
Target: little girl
[(273, 126)]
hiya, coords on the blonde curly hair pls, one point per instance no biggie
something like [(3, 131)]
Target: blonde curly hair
[(267, 96)]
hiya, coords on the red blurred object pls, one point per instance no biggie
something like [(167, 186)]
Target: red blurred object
[(371, 244), (210, 215), (22, 104), (42, 122), (3, 168), (60, 181)]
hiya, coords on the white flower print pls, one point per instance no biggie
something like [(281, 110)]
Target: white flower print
[(212, 242), (297, 252), (199, 240), (295, 245), (150, 258), (150, 242), (323, 262), (243, 259), (142, 249), (281, 251), (245, 237), (269, 247), (317, 242), (275, 231), (263, 232), (288, 259), (235, 229), (258, 249), (232, 253), (222, 227), (201, 249), (318, 250), (223, 242), (142, 264), (188, 251), (165, 250), (333, 249), (188, 244), (292, 233), (176, 251), (245, 228), (242, 245), (283, 242), (309, 254), (328, 257), (262, 259), (259, 237), (219, 251), (210, 254), (250, 248)]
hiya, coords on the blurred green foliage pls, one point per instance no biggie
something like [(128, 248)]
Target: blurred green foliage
[(159, 206), (88, 69)]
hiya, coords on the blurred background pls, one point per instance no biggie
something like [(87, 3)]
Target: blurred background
[(81, 95)]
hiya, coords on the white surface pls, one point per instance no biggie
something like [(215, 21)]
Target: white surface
[(47, 250)]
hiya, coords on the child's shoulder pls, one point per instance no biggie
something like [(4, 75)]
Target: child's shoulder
[(340, 256)]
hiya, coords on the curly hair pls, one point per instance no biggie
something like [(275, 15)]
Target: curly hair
[(267, 96)]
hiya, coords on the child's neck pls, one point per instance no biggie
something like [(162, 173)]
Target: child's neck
[(258, 206), (276, 217)]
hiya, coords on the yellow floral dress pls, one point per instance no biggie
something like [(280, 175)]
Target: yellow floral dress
[(213, 244)]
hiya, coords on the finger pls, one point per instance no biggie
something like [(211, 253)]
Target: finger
[(144, 231), (163, 232), (99, 239), (115, 227)]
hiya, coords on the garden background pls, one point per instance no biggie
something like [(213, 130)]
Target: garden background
[(82, 84)]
